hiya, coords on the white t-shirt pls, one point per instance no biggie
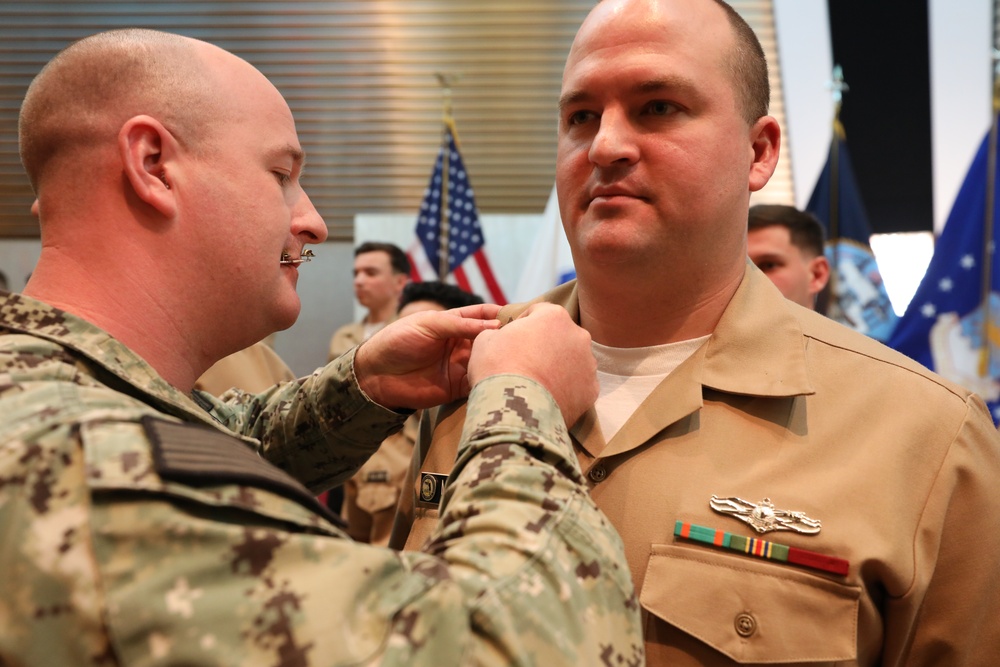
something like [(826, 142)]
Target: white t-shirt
[(628, 375)]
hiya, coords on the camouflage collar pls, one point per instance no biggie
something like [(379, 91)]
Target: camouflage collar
[(22, 314)]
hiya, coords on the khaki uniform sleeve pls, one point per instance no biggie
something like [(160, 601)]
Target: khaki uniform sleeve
[(947, 617)]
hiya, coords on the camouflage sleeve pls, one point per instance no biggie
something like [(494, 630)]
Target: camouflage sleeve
[(319, 429), (119, 552), (543, 567)]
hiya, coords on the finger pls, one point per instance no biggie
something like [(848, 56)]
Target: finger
[(447, 324), (481, 311)]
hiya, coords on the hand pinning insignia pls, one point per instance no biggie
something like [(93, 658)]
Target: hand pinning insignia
[(763, 517)]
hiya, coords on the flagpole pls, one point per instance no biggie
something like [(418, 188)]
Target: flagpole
[(838, 87), (988, 222), (444, 266)]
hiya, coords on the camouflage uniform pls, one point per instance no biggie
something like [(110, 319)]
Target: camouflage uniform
[(136, 530)]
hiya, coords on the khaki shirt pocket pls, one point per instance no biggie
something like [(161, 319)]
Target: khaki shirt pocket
[(375, 497), (749, 610)]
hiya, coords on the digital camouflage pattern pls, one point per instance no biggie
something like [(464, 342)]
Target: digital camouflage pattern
[(137, 530)]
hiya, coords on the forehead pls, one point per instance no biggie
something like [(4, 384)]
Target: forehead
[(771, 240), (663, 36), (376, 259)]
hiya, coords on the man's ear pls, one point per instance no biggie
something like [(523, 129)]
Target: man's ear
[(819, 274), (147, 150), (765, 140)]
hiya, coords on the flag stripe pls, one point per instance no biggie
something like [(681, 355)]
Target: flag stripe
[(487, 272)]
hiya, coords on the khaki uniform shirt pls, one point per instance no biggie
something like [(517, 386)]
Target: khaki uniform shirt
[(348, 336), (901, 467), (139, 529), (345, 338), (371, 495), (253, 369)]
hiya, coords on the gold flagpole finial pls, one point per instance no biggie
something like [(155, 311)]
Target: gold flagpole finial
[(838, 87)]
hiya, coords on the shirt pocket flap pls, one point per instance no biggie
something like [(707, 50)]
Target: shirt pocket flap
[(377, 496), (752, 611)]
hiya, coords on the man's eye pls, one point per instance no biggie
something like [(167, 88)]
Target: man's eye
[(579, 117), (660, 108), (283, 178)]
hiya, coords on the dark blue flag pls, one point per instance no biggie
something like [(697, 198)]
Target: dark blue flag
[(951, 326), (856, 294)]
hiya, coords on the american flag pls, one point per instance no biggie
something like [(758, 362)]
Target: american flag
[(468, 266)]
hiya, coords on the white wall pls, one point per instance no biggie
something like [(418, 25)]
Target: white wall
[(806, 62), (17, 260), (961, 34)]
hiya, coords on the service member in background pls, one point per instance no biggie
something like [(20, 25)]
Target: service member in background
[(787, 245)]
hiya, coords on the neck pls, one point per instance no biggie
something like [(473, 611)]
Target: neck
[(381, 314), (622, 310), (149, 323)]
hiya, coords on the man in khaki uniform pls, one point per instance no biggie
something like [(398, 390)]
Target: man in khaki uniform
[(788, 491)]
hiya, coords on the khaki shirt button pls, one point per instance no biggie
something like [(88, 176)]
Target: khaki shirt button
[(745, 624), (597, 473)]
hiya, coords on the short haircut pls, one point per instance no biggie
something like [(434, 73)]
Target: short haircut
[(81, 98), (749, 68), (448, 296), (804, 229), (397, 258)]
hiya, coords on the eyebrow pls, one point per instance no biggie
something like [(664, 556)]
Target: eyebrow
[(658, 84), (297, 154)]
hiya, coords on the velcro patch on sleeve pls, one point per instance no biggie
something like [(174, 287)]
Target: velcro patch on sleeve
[(202, 456)]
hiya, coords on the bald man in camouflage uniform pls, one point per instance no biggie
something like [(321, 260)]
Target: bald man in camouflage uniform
[(145, 522)]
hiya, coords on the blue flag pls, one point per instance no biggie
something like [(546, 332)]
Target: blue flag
[(856, 294), (951, 326)]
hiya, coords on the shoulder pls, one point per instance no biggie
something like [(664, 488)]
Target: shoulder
[(838, 339)]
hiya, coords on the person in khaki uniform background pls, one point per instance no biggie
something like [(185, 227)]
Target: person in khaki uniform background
[(787, 245), (147, 522), (252, 369), (381, 270), (788, 491), (372, 493)]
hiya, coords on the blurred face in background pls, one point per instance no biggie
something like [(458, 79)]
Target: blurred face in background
[(799, 275), (376, 286)]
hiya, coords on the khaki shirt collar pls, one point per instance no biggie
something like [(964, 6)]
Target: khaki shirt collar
[(757, 349)]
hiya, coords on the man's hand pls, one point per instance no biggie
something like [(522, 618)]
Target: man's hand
[(545, 345), (422, 360)]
